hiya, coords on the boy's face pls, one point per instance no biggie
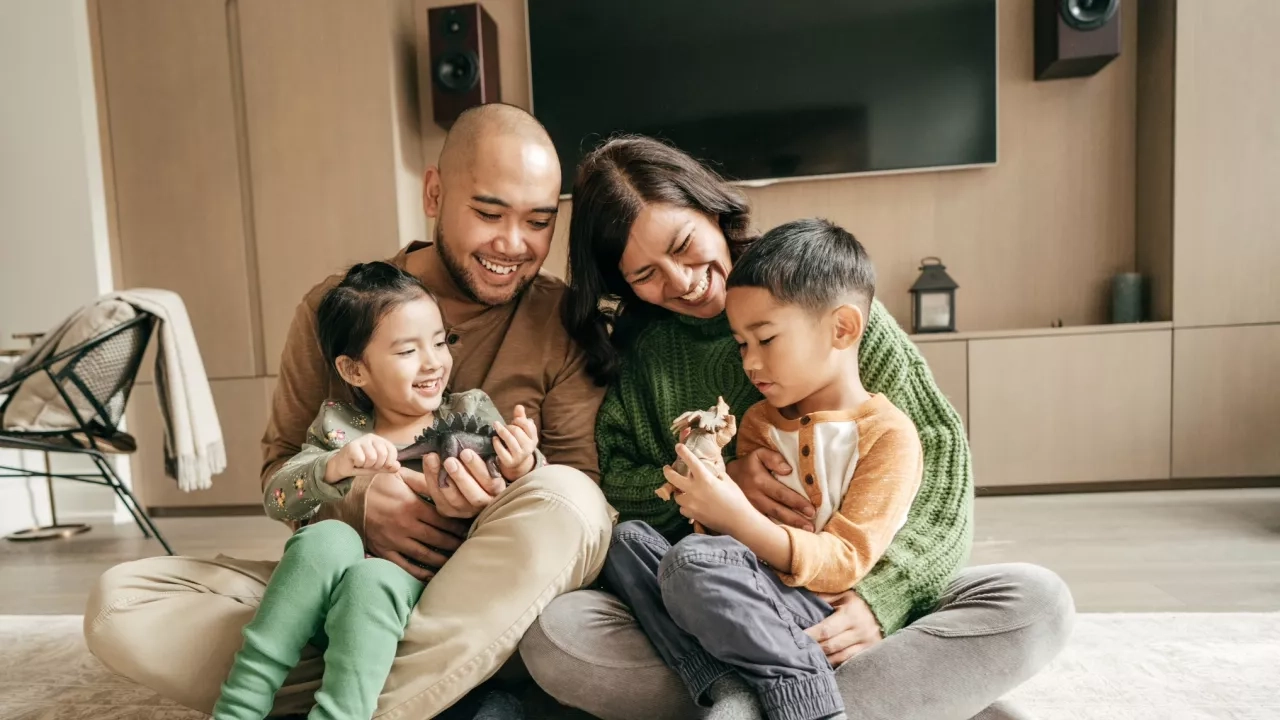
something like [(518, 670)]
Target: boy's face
[(787, 350)]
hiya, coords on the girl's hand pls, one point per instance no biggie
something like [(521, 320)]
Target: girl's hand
[(515, 445), (366, 455)]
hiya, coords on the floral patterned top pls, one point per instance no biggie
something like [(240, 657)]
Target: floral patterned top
[(298, 488)]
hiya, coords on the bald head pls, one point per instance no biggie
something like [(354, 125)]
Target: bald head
[(487, 126), (495, 195)]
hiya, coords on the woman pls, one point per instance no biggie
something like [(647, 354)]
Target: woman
[(655, 232)]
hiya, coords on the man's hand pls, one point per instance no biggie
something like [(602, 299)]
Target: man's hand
[(757, 475), (470, 488), (402, 527), (849, 630)]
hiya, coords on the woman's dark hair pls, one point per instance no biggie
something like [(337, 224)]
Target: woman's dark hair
[(350, 312), (614, 183)]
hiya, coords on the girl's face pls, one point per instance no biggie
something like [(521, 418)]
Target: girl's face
[(406, 364), (677, 258)]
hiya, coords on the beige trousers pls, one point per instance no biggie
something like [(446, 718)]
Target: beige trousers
[(174, 624)]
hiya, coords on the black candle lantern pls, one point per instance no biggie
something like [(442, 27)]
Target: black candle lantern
[(933, 307)]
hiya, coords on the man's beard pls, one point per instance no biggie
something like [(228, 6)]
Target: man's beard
[(465, 281)]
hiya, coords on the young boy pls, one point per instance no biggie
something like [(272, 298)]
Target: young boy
[(728, 612)]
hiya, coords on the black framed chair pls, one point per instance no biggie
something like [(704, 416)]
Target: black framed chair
[(98, 373)]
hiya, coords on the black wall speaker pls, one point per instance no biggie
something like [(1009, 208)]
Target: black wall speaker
[(464, 60), (1075, 38)]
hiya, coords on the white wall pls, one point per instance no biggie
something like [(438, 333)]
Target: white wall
[(54, 248)]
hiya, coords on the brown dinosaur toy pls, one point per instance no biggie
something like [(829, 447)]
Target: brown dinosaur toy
[(705, 433)]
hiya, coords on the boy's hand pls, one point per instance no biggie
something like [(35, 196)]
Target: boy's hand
[(712, 499), (366, 455), (515, 445)]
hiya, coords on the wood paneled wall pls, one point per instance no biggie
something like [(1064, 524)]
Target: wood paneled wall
[(256, 146), (174, 158), (1156, 35), (1227, 179), (318, 115), (1047, 226), (252, 148)]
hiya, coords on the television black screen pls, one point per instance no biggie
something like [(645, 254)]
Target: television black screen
[(771, 89)]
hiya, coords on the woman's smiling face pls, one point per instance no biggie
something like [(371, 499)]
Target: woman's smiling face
[(677, 258)]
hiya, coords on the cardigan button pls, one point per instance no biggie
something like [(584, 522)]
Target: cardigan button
[(805, 420), (453, 338), (805, 451), (808, 479)]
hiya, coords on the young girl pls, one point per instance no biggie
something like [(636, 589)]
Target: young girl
[(383, 331)]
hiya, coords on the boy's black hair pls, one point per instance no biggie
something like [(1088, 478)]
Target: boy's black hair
[(350, 311), (813, 263)]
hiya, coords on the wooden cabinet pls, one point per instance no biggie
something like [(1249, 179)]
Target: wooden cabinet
[(1071, 408), (242, 410), (173, 154), (949, 362), (1226, 402)]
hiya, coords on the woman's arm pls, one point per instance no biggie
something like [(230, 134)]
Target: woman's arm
[(935, 541)]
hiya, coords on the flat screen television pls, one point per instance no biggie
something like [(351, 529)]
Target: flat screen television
[(771, 89)]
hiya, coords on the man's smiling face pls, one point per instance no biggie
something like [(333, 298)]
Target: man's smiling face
[(495, 214)]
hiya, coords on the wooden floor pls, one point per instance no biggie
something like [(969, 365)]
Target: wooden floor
[(1201, 550)]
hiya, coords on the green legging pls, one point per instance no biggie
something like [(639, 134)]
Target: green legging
[(327, 592)]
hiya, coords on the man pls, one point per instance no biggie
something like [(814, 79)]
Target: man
[(173, 624)]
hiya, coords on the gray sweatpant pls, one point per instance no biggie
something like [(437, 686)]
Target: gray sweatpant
[(994, 627), (710, 608)]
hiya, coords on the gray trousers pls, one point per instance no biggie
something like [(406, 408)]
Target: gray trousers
[(710, 608), (995, 627)]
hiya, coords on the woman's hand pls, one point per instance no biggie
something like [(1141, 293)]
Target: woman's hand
[(515, 445), (849, 630), (757, 475)]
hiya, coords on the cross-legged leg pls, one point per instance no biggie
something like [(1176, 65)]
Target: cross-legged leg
[(631, 571)]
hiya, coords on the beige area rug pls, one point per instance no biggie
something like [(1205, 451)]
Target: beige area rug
[(1176, 666), (1117, 667)]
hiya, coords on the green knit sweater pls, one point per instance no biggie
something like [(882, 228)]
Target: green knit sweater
[(678, 363)]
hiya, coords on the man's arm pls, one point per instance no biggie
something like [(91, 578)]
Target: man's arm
[(568, 416)]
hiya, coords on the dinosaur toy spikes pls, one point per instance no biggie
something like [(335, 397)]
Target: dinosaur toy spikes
[(448, 437), (705, 432)]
